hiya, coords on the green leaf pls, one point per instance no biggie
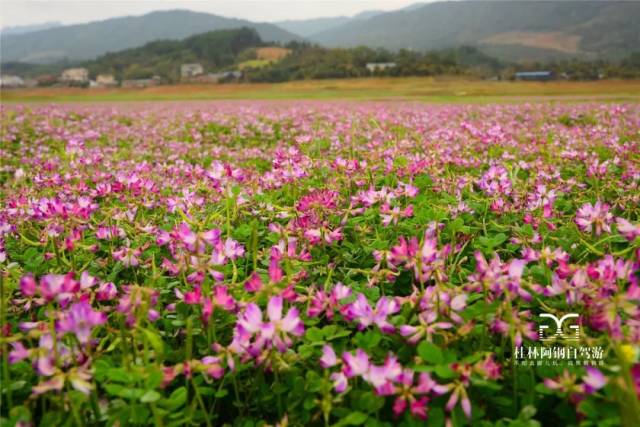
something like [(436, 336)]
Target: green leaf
[(314, 334), (155, 341), (354, 419), (119, 375), (221, 393), (150, 396), (498, 239), (445, 372), (587, 408), (177, 399), (436, 417), (368, 340), (429, 352), (154, 379)]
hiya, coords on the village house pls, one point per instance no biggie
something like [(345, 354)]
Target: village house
[(539, 76), (106, 80), (379, 66), (75, 76), (189, 71), (8, 81)]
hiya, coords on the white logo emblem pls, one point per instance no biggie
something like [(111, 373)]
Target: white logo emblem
[(559, 334)]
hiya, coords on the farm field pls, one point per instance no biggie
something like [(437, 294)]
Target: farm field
[(439, 89), (302, 263)]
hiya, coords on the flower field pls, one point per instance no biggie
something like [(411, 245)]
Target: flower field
[(320, 263)]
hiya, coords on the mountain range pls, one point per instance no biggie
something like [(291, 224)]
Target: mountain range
[(509, 30), (87, 41), (23, 29), (309, 27)]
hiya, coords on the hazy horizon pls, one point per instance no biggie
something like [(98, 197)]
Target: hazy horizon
[(15, 13)]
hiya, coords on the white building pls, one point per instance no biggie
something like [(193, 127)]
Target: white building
[(75, 75), (7, 81), (188, 71), (106, 80), (380, 66)]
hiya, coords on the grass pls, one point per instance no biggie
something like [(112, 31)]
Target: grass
[(254, 63), (444, 89)]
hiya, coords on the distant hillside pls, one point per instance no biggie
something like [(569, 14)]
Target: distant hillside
[(87, 41), (23, 29), (215, 50), (510, 30), (309, 27)]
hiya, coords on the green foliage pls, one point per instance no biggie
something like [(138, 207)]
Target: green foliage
[(214, 50)]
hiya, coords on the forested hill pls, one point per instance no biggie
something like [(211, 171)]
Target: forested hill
[(511, 30), (88, 41), (214, 50)]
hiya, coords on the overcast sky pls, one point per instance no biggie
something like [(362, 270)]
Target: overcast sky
[(25, 12)]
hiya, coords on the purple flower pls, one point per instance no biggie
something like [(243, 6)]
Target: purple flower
[(128, 256), (627, 229), (328, 358), (361, 311), (80, 320), (274, 332), (594, 218), (594, 380), (355, 365), (339, 381), (18, 353)]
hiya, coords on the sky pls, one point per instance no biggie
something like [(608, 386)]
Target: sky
[(27, 12)]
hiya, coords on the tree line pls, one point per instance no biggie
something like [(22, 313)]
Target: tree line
[(233, 49)]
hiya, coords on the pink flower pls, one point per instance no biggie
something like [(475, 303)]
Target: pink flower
[(361, 311), (488, 368), (594, 380), (254, 283), (381, 377), (627, 229), (275, 271), (322, 301), (389, 215), (52, 285), (213, 368), (328, 358), (635, 375), (355, 365), (274, 332), (339, 381), (128, 256), (28, 286), (408, 393), (224, 251), (427, 261), (427, 328), (495, 181), (110, 233), (221, 298), (54, 383), (594, 218), (459, 393), (106, 291), (80, 319), (18, 353)]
